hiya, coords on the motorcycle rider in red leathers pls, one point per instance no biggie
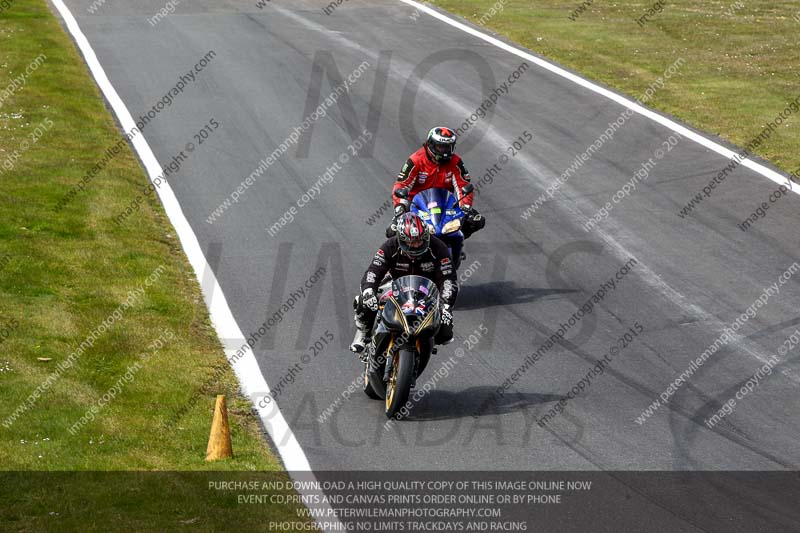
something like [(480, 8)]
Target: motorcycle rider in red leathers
[(436, 165)]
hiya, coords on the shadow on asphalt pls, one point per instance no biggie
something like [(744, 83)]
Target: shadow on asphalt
[(500, 293), (448, 405)]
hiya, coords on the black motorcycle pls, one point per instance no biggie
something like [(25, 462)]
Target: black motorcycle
[(402, 340)]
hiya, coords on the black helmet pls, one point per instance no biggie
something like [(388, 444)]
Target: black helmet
[(413, 235), (440, 144)]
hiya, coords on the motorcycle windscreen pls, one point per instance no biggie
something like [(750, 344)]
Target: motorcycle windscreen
[(417, 300), (432, 205), (439, 208)]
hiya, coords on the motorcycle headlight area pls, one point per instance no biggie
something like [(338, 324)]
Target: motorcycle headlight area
[(411, 324), (393, 317), (453, 225), (419, 324), (429, 322)]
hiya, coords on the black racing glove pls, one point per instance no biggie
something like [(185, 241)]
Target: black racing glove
[(445, 333), (369, 299), (469, 211), (473, 218), (447, 316), (399, 211)]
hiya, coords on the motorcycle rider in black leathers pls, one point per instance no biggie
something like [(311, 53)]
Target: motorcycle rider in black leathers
[(412, 251)]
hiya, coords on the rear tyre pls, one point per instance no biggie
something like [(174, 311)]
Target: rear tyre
[(399, 386)]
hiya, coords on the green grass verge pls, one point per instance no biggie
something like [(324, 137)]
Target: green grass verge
[(62, 273), (741, 67)]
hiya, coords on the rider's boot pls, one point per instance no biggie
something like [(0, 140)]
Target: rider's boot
[(359, 341), (361, 337)]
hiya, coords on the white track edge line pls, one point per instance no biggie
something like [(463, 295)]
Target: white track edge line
[(247, 370), (664, 121)]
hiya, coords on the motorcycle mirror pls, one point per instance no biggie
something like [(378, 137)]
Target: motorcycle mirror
[(468, 188), (402, 193)]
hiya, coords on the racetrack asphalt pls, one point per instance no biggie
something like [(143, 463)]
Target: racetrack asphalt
[(692, 276)]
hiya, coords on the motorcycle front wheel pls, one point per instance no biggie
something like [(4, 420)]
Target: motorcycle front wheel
[(398, 387), (368, 390)]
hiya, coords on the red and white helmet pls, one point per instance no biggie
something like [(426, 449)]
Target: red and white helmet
[(441, 144), (413, 235)]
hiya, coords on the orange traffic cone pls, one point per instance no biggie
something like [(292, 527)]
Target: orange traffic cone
[(219, 442)]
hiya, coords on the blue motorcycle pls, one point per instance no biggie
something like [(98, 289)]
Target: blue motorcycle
[(440, 210)]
